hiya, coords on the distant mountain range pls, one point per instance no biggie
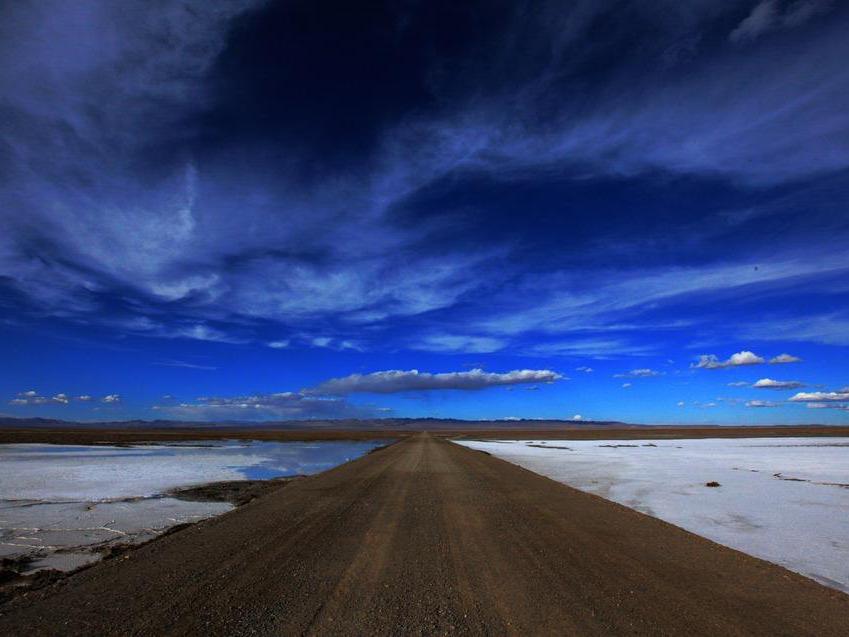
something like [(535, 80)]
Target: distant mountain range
[(395, 424), (389, 424)]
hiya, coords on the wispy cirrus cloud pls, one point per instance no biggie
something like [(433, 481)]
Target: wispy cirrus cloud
[(185, 365), (176, 328), (203, 332), (573, 303), (828, 329), (523, 201), (768, 16), (459, 343), (338, 344), (762, 404), (167, 239), (838, 406), (643, 372), (599, 348), (142, 232), (655, 129)]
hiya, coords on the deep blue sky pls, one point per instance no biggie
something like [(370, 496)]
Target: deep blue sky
[(547, 209)]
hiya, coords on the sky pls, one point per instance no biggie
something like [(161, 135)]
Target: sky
[(591, 210)]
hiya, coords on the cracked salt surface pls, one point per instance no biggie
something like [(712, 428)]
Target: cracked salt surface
[(785, 500), (60, 505)]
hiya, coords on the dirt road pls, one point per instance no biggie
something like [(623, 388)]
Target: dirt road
[(426, 537)]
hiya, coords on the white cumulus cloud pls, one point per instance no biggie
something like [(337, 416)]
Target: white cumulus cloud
[(821, 396), (392, 381), (784, 358), (30, 397), (711, 361), (769, 383)]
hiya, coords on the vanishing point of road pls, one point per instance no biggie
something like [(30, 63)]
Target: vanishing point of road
[(427, 537)]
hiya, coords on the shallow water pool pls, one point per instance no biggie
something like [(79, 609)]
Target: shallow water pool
[(60, 505)]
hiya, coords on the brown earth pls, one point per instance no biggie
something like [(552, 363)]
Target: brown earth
[(236, 492), (427, 537), (528, 431), (642, 432), (108, 436)]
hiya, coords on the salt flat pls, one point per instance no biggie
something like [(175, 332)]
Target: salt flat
[(785, 500), (59, 504)]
